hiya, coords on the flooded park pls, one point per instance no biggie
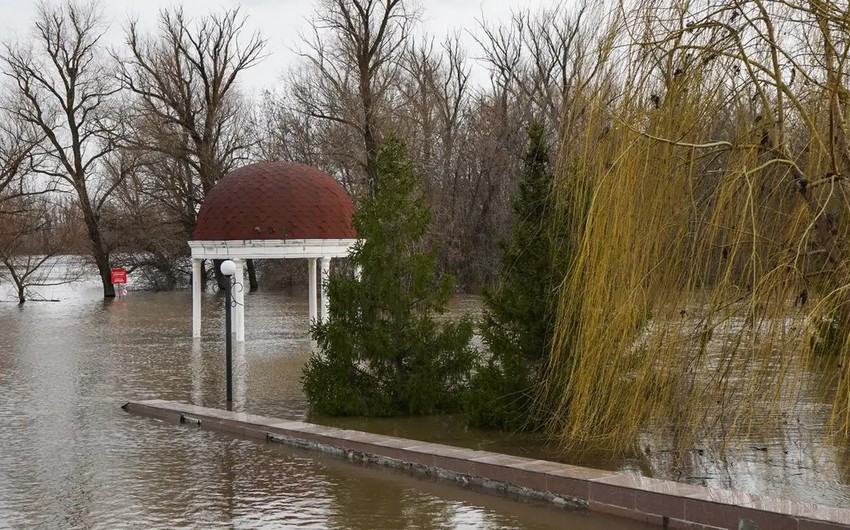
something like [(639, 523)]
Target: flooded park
[(70, 458), (539, 266)]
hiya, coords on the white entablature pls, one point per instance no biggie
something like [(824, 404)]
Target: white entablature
[(272, 248)]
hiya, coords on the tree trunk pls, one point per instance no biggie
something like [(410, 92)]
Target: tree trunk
[(102, 260), (219, 277), (99, 252), (370, 135), (252, 277)]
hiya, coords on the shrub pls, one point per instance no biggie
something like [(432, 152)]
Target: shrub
[(382, 353), (519, 313)]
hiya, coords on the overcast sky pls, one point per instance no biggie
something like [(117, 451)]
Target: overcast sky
[(278, 21)]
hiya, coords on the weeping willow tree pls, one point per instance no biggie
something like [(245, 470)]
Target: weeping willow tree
[(710, 290)]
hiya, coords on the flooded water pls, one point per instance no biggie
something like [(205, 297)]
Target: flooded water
[(71, 458)]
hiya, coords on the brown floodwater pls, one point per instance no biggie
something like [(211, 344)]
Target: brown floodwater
[(71, 458)]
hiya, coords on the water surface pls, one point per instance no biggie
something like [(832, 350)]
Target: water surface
[(71, 458)]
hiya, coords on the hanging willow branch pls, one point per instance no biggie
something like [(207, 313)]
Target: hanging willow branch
[(710, 295)]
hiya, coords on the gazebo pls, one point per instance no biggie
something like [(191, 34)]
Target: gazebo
[(272, 210)]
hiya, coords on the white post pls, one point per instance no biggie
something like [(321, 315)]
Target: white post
[(311, 284), (240, 375), (358, 272), (326, 272), (239, 297), (197, 278), (196, 372)]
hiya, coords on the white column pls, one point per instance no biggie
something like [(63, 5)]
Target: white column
[(311, 284), (196, 372), (239, 297), (358, 272), (326, 271), (197, 279)]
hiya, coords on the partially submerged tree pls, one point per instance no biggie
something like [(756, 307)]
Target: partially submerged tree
[(63, 87), (149, 231), (712, 273), (24, 211), (382, 353), (519, 313), (31, 242)]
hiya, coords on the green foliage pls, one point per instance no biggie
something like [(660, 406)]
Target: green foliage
[(382, 353), (519, 317)]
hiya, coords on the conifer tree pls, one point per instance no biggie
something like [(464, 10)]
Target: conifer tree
[(519, 313), (382, 353)]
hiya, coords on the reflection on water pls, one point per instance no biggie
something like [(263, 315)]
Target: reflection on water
[(70, 458)]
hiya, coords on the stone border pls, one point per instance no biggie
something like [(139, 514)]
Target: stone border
[(660, 502)]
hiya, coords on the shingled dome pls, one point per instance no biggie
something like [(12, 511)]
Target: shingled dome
[(272, 210), (275, 200)]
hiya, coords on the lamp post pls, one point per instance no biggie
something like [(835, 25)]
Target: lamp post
[(228, 268)]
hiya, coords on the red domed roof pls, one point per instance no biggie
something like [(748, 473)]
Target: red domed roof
[(275, 200)]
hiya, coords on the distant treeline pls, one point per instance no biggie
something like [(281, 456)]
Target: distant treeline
[(114, 149)]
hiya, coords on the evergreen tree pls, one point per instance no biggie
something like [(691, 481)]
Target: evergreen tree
[(382, 353), (519, 313)]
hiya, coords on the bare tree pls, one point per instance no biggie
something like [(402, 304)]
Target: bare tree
[(32, 240), (62, 87), (353, 58), (543, 59), (18, 143), (188, 109), (438, 117), (148, 221), (184, 78), (23, 210)]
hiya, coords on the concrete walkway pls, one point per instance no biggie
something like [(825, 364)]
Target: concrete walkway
[(664, 503)]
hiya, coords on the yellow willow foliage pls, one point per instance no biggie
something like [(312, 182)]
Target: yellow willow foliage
[(710, 268), (676, 304)]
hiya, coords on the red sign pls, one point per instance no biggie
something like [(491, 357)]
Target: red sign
[(119, 275)]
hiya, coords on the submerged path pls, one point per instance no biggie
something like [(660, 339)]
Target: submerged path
[(660, 502)]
